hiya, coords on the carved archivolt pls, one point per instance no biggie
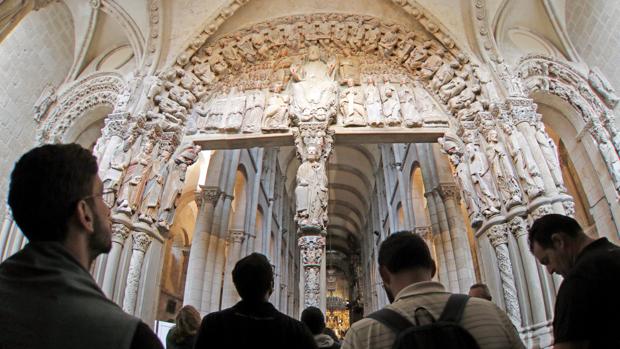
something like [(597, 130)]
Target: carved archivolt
[(587, 95), (379, 71), (86, 94)]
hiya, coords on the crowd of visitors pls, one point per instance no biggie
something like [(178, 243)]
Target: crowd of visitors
[(48, 299)]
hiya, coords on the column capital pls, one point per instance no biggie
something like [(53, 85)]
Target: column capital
[(141, 241), (236, 235), (424, 232), (498, 235), (449, 191), (542, 210), (120, 232), (518, 227), (209, 194), (311, 249)]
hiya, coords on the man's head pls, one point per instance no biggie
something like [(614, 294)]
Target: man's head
[(314, 319), (480, 291), (55, 191), (253, 278), (404, 258), (555, 240)]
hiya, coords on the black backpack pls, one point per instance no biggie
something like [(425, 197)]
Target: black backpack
[(444, 333)]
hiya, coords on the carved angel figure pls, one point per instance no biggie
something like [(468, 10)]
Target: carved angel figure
[(408, 109), (276, 111), (526, 167), (373, 104), (481, 176), (352, 105), (391, 105), (502, 169)]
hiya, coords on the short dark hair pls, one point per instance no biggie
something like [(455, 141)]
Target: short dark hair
[(485, 289), (545, 226), (405, 250), (313, 318), (253, 277), (46, 184)]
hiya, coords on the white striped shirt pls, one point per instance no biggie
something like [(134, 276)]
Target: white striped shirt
[(487, 323)]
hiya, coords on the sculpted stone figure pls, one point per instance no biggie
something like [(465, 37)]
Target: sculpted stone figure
[(314, 90), (481, 175), (349, 68), (610, 156), (352, 105), (524, 162), (391, 105), (235, 109), (135, 179), (454, 88), (373, 104), (550, 154), (311, 190), (204, 73), (425, 104), (154, 185), (388, 41), (431, 64), (118, 164), (603, 87), (174, 185), (182, 97), (455, 151), (254, 109), (445, 73), (216, 113), (502, 169), (418, 56), (408, 109), (276, 111)]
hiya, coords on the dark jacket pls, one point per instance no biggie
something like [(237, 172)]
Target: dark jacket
[(252, 325), (174, 343)]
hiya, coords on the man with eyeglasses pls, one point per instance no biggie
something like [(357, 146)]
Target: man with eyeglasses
[(48, 299)]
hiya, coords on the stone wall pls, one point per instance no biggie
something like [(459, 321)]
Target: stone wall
[(38, 52), (594, 29)]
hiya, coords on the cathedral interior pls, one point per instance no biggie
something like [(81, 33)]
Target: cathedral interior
[(308, 131)]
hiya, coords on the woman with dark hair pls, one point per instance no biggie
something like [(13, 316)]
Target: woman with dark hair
[(183, 334)]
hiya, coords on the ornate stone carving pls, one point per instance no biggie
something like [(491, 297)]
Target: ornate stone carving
[(352, 106), (373, 104), (45, 100), (135, 177), (313, 142), (498, 236), (518, 227), (120, 232), (481, 176), (174, 185), (314, 89), (236, 236), (542, 210), (449, 191), (276, 111), (390, 104), (141, 242), (312, 249), (502, 170), (550, 154), (254, 109), (155, 183), (526, 167), (452, 146), (408, 106), (608, 152), (569, 208), (602, 86)]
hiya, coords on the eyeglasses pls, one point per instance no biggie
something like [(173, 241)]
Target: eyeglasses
[(103, 192)]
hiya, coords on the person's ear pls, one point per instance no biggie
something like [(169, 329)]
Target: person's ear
[(85, 216), (385, 274), (558, 241)]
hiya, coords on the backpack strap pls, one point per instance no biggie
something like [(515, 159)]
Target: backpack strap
[(391, 319), (453, 312)]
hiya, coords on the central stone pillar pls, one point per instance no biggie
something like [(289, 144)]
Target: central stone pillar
[(313, 142)]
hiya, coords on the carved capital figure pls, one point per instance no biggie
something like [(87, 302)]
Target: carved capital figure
[(120, 232), (518, 227)]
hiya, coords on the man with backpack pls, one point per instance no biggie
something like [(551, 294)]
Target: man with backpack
[(422, 314)]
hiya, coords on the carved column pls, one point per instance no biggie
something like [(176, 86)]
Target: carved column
[(446, 243), (120, 232), (523, 112), (458, 236), (532, 279), (235, 240), (312, 251), (141, 243), (113, 132), (498, 236), (206, 200)]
